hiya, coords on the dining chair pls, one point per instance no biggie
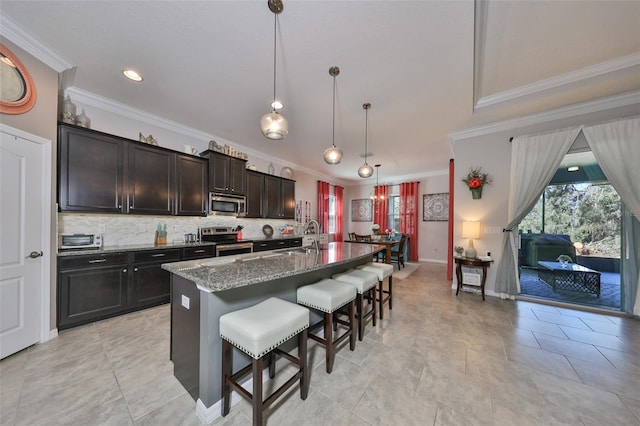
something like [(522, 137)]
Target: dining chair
[(352, 236), (362, 237), (397, 255)]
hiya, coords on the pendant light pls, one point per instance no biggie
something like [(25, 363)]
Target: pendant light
[(365, 170), (273, 124), (333, 154)]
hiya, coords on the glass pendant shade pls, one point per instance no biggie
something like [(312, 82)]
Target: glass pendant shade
[(333, 155), (365, 171), (274, 126)]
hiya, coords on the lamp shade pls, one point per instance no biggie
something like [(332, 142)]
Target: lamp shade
[(470, 229), (274, 125), (332, 155)]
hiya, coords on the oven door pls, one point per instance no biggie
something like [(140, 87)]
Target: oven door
[(231, 249)]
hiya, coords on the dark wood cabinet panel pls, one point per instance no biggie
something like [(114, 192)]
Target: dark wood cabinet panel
[(226, 174), (150, 180), (101, 173), (272, 197), (198, 252), (92, 292), (288, 199), (279, 198), (149, 283), (90, 171), (191, 186), (255, 188)]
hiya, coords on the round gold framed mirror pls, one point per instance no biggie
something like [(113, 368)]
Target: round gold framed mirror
[(17, 91)]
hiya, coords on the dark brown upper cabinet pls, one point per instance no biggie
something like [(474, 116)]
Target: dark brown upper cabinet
[(226, 174), (101, 173), (91, 171), (255, 188), (279, 198), (151, 180), (191, 186)]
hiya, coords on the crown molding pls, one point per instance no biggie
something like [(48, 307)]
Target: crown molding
[(573, 77), (617, 101), (18, 35)]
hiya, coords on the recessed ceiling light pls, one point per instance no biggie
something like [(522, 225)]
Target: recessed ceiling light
[(573, 168), (131, 74)]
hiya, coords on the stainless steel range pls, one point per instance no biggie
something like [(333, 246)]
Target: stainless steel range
[(226, 240)]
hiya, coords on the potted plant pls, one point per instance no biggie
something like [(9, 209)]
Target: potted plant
[(458, 250), (475, 181)]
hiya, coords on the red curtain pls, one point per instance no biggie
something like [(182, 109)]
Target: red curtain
[(380, 207), (409, 215), (323, 205), (338, 190)]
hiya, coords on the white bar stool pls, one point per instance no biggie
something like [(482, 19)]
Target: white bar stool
[(327, 296), (258, 331), (365, 284), (383, 270)]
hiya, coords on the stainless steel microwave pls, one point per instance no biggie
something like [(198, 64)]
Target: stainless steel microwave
[(80, 241), (227, 205)]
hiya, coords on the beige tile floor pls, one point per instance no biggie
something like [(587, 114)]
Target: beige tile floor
[(436, 359)]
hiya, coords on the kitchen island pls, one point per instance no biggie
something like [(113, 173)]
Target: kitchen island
[(204, 290)]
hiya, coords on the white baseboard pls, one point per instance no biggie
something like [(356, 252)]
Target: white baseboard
[(52, 334), (424, 259)]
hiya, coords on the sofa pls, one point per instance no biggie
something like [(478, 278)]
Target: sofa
[(537, 247)]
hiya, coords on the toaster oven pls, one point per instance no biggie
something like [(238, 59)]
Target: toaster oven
[(80, 241)]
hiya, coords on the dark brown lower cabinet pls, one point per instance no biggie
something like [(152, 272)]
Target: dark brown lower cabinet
[(99, 286), (91, 288), (149, 284)]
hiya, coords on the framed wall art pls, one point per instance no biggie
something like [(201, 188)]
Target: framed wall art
[(361, 210), (435, 207)]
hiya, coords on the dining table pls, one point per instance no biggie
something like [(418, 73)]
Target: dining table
[(383, 241)]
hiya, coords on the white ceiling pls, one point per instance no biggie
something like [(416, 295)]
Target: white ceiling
[(208, 65)]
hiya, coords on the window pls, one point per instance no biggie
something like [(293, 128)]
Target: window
[(332, 214), (393, 212)]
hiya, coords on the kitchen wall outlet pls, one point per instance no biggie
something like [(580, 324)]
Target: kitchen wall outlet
[(102, 228), (185, 301)]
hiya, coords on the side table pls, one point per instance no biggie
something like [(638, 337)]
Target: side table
[(471, 263)]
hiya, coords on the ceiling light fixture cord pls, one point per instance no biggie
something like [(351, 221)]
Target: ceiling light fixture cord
[(366, 170), (275, 46), (333, 154)]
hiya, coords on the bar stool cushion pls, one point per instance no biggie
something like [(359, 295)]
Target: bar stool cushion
[(326, 295), (383, 270), (260, 328), (362, 280)]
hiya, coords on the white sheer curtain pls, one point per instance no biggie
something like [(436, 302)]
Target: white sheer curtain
[(534, 160), (616, 147)]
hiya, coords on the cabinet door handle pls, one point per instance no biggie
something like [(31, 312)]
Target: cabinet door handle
[(98, 261), (158, 255), (119, 206), (124, 271), (199, 251), (135, 269)]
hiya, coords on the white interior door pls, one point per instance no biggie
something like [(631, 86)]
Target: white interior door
[(22, 242)]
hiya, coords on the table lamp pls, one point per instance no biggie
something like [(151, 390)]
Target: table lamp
[(470, 230)]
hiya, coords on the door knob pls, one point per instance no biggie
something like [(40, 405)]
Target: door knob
[(34, 254)]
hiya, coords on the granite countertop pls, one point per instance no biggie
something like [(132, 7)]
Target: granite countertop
[(224, 273), (130, 247)]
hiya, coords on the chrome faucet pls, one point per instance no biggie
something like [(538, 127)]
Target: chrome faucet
[(316, 226)]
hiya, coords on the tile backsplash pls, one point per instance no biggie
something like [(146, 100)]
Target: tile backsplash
[(137, 229)]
